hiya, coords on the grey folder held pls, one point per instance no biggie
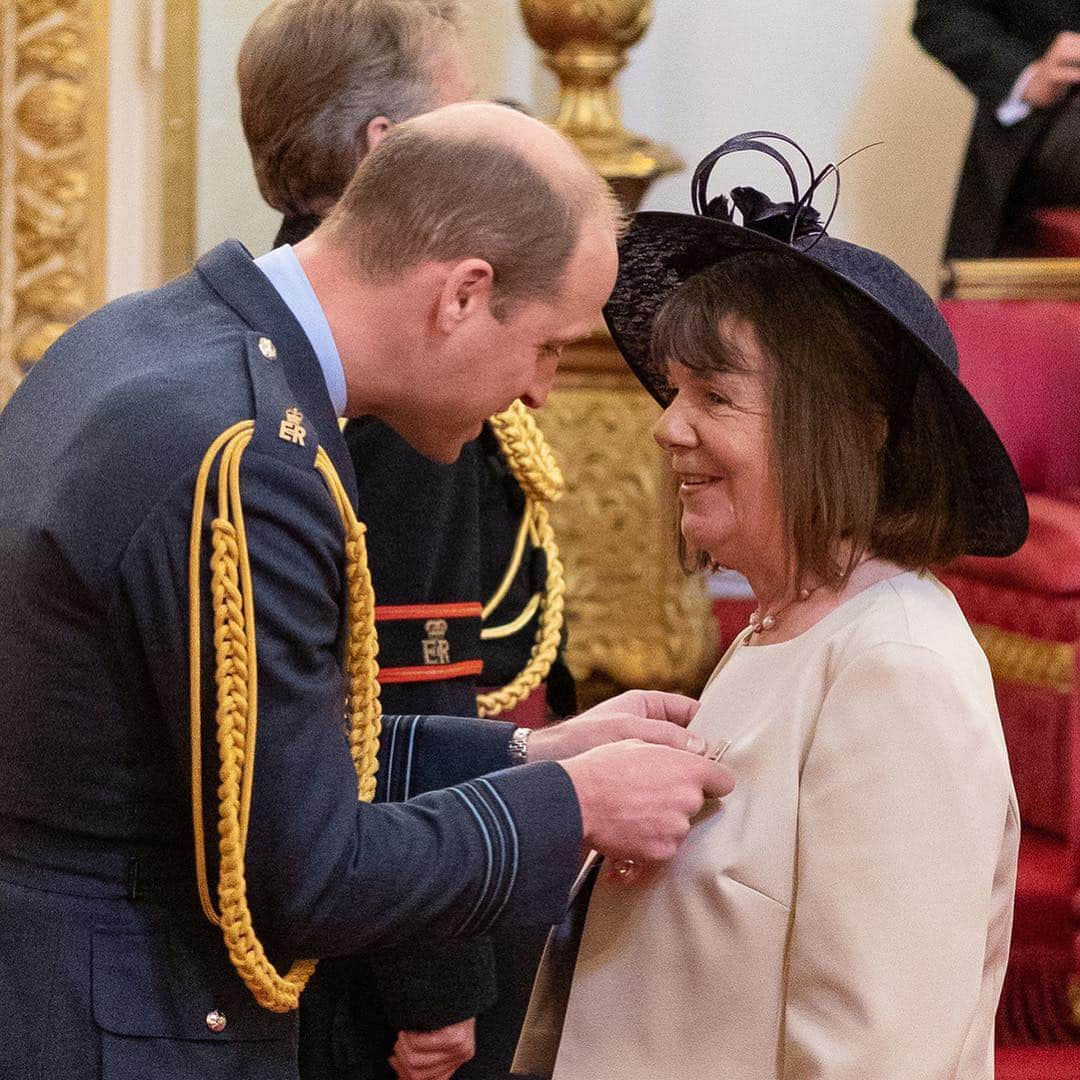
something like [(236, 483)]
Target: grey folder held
[(538, 1044)]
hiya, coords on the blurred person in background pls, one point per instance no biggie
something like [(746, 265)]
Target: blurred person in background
[(1021, 60)]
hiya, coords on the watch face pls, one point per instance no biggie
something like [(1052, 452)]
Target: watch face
[(519, 743)]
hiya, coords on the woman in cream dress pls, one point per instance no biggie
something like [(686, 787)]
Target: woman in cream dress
[(845, 912)]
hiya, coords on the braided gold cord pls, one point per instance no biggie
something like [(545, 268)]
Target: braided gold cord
[(526, 450), (362, 703), (533, 465), (1047, 665), (236, 682)]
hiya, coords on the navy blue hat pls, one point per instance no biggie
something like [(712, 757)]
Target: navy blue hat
[(662, 250)]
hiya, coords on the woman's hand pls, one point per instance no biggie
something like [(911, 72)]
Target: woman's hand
[(434, 1055)]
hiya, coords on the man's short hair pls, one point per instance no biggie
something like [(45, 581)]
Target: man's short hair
[(313, 73), (427, 197)]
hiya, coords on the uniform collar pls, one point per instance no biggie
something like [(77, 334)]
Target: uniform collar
[(230, 271), (286, 274)]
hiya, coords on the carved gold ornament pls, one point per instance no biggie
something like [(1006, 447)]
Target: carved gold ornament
[(1011, 279), (52, 173)]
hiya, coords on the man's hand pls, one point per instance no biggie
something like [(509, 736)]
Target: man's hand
[(434, 1055), (648, 715), (1055, 73), (637, 800)]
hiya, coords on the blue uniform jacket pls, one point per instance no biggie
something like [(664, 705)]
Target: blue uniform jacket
[(107, 966)]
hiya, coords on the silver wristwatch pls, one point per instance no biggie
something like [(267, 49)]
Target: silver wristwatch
[(519, 746)]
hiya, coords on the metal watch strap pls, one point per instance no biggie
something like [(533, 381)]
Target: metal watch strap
[(519, 746)]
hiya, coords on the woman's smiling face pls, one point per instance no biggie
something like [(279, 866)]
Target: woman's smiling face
[(718, 433)]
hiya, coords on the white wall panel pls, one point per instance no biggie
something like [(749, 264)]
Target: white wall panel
[(133, 249), (229, 203)]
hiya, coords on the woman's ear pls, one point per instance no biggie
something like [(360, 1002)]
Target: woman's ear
[(465, 294)]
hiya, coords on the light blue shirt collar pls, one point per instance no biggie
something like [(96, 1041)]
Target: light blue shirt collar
[(286, 274)]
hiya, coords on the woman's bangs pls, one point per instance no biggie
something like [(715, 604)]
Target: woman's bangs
[(687, 331)]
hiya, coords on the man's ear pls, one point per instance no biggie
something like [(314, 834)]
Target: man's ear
[(369, 136), (466, 292)]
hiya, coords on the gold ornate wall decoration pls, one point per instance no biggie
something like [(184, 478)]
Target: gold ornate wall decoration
[(53, 95)]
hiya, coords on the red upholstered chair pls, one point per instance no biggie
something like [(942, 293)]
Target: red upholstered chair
[(1037, 1063), (1017, 326), (1053, 232)]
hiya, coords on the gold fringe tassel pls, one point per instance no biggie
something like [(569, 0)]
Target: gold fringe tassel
[(1017, 658)]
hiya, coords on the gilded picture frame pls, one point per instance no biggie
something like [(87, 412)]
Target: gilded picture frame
[(53, 176)]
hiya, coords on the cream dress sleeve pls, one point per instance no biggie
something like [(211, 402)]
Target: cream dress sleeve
[(902, 878)]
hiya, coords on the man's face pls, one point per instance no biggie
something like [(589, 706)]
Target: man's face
[(487, 364), (451, 79)]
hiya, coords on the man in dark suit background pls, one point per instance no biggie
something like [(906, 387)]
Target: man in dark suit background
[(1021, 59), (321, 83), (427, 305)]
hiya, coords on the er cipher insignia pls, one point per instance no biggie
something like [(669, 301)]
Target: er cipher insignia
[(291, 428), (436, 647)]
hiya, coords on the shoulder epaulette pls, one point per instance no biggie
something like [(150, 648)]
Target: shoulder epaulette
[(280, 427)]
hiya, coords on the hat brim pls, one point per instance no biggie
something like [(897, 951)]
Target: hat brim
[(662, 250)]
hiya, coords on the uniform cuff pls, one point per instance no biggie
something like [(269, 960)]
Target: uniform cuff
[(427, 753), (1014, 108), (530, 821)]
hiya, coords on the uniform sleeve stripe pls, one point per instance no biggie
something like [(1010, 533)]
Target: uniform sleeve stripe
[(506, 870), (463, 928), (396, 768), (477, 917), (407, 792), (511, 829), (496, 895), (392, 723)]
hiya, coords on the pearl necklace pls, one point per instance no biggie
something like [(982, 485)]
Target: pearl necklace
[(760, 623)]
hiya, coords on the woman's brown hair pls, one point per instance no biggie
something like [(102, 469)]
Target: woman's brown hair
[(863, 454)]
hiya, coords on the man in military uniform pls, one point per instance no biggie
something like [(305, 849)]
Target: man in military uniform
[(460, 599), (203, 417)]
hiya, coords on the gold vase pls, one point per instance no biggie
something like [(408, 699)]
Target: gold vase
[(585, 43)]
